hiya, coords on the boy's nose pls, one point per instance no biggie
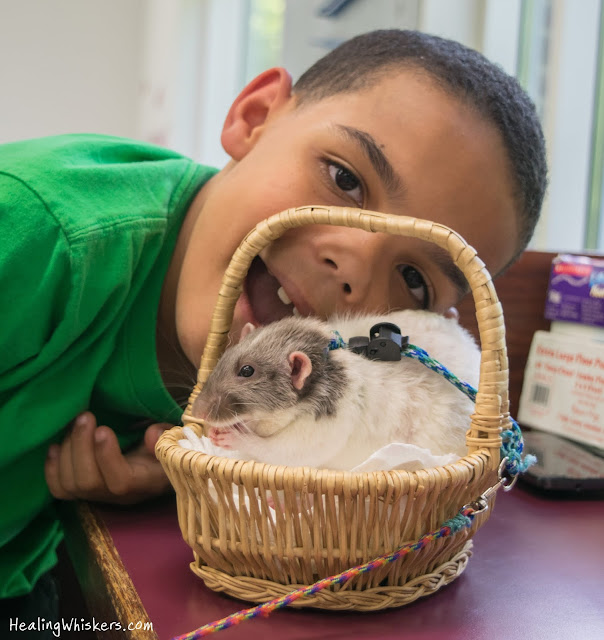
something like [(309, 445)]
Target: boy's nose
[(358, 263)]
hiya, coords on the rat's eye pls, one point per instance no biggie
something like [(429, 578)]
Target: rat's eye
[(246, 371), (416, 284), (346, 181)]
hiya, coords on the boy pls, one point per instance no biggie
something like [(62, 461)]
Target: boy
[(114, 251)]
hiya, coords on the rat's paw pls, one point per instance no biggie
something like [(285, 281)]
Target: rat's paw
[(224, 438)]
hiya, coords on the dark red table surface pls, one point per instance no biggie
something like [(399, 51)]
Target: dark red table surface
[(537, 572)]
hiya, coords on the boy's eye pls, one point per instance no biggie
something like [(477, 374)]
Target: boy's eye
[(246, 371), (416, 284), (346, 181)]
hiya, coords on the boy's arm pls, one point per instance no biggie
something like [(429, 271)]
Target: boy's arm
[(89, 465)]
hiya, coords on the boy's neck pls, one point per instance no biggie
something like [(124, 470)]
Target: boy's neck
[(178, 373)]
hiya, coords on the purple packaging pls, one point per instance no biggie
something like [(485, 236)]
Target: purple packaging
[(576, 290)]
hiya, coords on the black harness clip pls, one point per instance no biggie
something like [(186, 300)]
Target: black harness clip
[(384, 343)]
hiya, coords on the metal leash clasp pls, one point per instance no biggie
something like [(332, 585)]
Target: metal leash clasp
[(505, 482)]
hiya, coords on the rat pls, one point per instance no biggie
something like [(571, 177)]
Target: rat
[(280, 396)]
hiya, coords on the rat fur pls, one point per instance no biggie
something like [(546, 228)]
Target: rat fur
[(279, 396)]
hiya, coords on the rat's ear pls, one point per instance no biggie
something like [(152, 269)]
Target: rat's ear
[(300, 366), (452, 312), (251, 109), (247, 329)]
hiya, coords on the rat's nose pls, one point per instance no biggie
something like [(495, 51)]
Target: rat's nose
[(357, 262), (199, 409), (207, 405)]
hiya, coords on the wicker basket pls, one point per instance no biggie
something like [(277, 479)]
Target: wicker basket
[(258, 531)]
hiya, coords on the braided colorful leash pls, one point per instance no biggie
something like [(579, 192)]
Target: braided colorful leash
[(417, 353), (461, 520), (512, 461)]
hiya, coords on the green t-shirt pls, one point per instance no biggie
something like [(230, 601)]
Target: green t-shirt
[(87, 228)]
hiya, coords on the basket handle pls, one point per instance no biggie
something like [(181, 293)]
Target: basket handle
[(492, 400)]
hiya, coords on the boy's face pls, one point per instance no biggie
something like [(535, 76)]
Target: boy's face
[(403, 147)]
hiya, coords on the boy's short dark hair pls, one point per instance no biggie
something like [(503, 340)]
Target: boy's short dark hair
[(366, 59)]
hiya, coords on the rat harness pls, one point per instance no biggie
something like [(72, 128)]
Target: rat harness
[(386, 343)]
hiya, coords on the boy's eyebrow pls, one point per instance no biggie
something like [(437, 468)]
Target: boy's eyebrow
[(375, 155), (448, 268)]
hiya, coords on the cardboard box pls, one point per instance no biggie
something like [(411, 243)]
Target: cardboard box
[(576, 290), (578, 330), (563, 389)]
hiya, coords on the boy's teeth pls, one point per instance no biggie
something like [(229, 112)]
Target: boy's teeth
[(285, 300), (283, 296)]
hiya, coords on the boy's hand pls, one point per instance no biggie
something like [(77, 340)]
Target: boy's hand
[(89, 465)]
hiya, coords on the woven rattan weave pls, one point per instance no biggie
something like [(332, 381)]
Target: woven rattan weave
[(257, 530)]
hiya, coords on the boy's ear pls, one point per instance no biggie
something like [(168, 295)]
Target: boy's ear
[(249, 112)]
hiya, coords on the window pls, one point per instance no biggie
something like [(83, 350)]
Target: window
[(554, 47), (560, 65)]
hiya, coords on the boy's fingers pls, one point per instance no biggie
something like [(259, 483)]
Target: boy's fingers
[(150, 476), (113, 466), (130, 477), (51, 473), (89, 464), (66, 466), (153, 433), (86, 474)]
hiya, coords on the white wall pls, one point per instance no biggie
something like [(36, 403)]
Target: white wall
[(69, 65)]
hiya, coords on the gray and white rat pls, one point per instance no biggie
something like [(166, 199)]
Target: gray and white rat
[(280, 396)]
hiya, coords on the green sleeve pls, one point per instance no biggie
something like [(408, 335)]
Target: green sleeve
[(34, 281), (61, 305), (34, 278)]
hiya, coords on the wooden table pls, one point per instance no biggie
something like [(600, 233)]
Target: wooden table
[(537, 573)]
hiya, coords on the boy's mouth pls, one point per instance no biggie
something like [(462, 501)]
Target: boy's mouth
[(268, 299)]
